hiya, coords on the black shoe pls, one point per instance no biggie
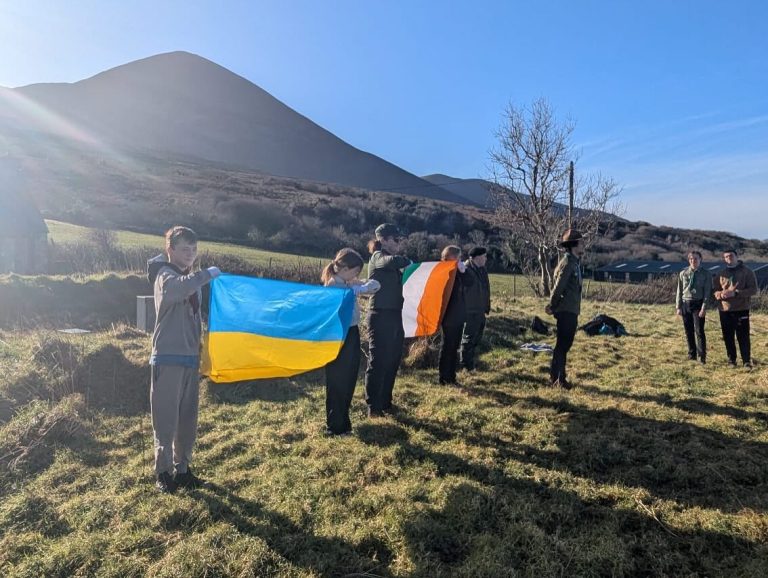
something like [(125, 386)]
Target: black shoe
[(748, 365), (691, 357), (703, 361), (165, 483), (731, 363), (373, 413), (391, 410), (189, 480)]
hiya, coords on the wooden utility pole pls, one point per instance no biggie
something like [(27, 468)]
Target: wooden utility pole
[(570, 195)]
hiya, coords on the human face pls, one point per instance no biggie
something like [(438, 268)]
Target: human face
[(348, 274), (694, 261), (391, 245), (729, 258), (183, 254), (578, 250), (480, 260)]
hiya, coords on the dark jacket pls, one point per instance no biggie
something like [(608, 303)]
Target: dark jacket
[(566, 292), (387, 270), (740, 278), (477, 294), (456, 310)]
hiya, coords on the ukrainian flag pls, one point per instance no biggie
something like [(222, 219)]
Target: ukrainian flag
[(261, 328)]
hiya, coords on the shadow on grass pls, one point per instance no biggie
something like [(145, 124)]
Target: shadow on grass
[(511, 527), (499, 524), (296, 543), (691, 405), (503, 332), (243, 392), (677, 461)]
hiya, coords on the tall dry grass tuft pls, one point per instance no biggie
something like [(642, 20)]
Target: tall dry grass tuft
[(654, 292), (29, 439)]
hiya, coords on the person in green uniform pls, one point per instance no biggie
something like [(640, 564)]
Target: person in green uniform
[(694, 292), (565, 304), (385, 319)]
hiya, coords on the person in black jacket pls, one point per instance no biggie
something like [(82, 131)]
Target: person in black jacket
[(385, 319), (477, 296), (454, 317)]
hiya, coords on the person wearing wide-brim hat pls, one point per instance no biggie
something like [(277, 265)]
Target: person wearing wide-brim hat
[(565, 304), (385, 319)]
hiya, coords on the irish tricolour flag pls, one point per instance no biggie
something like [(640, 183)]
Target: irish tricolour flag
[(426, 289)]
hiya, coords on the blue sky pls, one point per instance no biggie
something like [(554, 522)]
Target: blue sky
[(669, 97)]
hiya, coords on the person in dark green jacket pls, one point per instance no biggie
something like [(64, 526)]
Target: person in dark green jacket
[(385, 319), (565, 304), (694, 293), (478, 300)]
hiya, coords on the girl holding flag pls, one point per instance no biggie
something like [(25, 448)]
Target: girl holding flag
[(341, 373)]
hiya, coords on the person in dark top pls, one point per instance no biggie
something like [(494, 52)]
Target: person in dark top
[(385, 319), (565, 304), (454, 317), (734, 286), (477, 296)]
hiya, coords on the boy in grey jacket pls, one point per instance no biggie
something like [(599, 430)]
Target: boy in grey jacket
[(176, 357)]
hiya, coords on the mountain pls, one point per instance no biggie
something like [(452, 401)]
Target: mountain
[(475, 191), (182, 105)]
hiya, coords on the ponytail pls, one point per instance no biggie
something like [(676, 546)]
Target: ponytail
[(328, 272)]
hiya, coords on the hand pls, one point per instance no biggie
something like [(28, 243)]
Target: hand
[(678, 311), (702, 313), (727, 294), (213, 272), (548, 309), (462, 267), (367, 288)]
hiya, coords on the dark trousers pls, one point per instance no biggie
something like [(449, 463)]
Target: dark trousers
[(735, 325), (566, 331), (385, 348), (473, 333), (694, 329), (449, 353), (340, 381)]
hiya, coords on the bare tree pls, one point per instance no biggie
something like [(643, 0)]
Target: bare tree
[(529, 194)]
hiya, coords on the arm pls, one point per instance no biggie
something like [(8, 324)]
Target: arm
[(750, 285), (707, 301), (679, 294), (381, 261), (176, 288), (488, 293), (716, 287), (368, 288), (562, 275)]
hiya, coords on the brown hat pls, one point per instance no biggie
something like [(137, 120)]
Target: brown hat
[(571, 237)]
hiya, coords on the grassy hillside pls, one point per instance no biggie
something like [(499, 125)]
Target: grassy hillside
[(652, 466)]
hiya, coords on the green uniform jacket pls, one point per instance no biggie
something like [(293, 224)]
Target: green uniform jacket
[(694, 286), (566, 293), (387, 270)]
